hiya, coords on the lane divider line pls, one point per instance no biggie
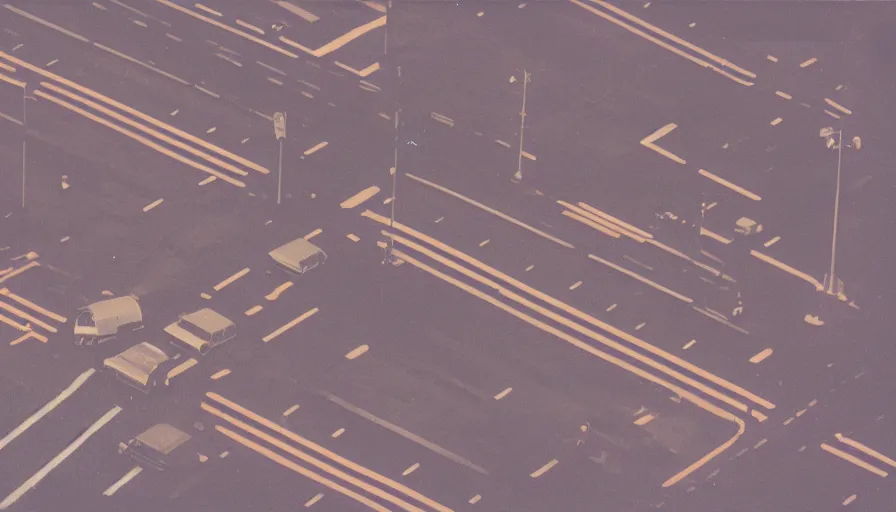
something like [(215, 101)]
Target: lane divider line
[(141, 139), (661, 43), (58, 459), (703, 404), (311, 475), (491, 210), (573, 311), (230, 29), (136, 113), (145, 129), (324, 452)]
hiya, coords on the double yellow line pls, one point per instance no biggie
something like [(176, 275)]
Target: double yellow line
[(658, 360), (220, 163), (657, 35), (298, 453)]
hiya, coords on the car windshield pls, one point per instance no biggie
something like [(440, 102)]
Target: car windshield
[(195, 330)]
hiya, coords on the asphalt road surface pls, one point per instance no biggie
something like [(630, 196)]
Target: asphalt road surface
[(639, 320)]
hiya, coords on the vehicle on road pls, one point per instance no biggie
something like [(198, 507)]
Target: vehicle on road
[(154, 447), (102, 321), (298, 256), (201, 330), (141, 366)]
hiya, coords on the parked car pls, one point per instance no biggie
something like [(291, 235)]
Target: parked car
[(102, 320), (142, 366), (154, 447), (298, 256), (202, 330)]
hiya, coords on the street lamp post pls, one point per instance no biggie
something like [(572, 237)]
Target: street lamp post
[(518, 176), (280, 133), (828, 133), (24, 139)]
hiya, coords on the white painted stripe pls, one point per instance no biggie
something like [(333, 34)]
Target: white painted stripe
[(47, 408), (315, 499), (504, 393), (58, 459), (130, 475), (152, 205), (47, 23), (410, 469)]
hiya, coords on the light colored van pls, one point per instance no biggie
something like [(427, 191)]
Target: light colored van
[(102, 320)]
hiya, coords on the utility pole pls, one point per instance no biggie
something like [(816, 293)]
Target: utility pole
[(518, 176), (280, 134)]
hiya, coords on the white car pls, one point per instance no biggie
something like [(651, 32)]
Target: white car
[(141, 366), (202, 330), (299, 256)]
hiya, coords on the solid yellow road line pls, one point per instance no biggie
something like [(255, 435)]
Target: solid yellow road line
[(672, 37), (575, 312), (320, 450), (838, 106), (146, 129), (761, 356), (13, 81), (349, 36), (289, 325), (21, 314), (617, 222), (853, 459), (283, 461), (573, 325), (696, 400), (139, 138), (865, 449), (725, 183), (661, 43), (276, 292), (591, 224), (360, 197), (18, 271), (220, 286), (28, 304), (787, 268)]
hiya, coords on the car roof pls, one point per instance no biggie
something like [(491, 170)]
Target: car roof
[(117, 307), (163, 438), (208, 320), (144, 355), (294, 252)]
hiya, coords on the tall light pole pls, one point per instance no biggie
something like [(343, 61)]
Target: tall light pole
[(280, 133), (25, 99), (828, 133), (518, 176)]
